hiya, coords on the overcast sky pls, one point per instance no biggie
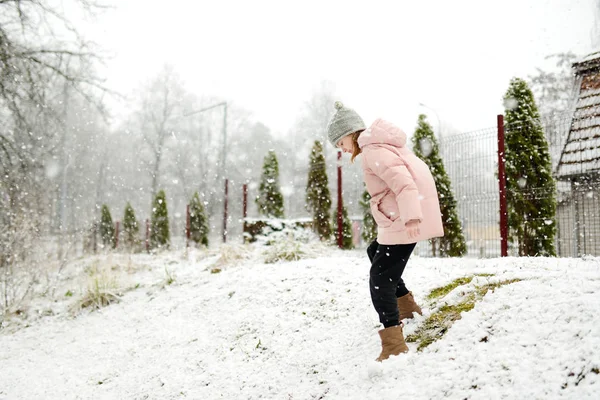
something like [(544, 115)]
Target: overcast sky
[(385, 57)]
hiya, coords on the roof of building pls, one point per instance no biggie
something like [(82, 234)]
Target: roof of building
[(581, 154)]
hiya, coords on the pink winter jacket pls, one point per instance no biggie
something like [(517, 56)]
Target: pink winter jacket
[(400, 184)]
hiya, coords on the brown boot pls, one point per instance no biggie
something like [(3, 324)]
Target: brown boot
[(392, 342), (407, 305)]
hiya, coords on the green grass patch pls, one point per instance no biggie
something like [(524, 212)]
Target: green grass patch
[(169, 276), (438, 323), (482, 290), (444, 290)]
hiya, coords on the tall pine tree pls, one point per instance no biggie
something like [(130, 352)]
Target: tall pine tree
[(270, 199), (131, 227), (369, 227), (347, 242), (107, 229), (425, 146), (198, 221), (318, 199), (159, 225), (530, 188)]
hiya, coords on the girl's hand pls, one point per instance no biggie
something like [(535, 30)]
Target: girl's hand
[(412, 228)]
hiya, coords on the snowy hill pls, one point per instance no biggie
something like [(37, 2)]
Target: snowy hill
[(306, 330)]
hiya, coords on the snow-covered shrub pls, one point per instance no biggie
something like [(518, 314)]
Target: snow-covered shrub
[(198, 221), (269, 231), (284, 250), (270, 199), (318, 199), (107, 229), (230, 255), (159, 230), (131, 229)]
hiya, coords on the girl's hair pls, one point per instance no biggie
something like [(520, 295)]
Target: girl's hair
[(357, 149)]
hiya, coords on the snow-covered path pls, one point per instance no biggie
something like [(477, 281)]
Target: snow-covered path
[(307, 330)]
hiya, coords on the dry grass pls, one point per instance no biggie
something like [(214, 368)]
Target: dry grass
[(285, 250), (102, 291)]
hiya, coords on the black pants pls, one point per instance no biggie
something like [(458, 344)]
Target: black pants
[(387, 266)]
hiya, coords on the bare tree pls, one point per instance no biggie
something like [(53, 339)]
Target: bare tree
[(310, 126), (554, 93), (315, 115), (553, 89), (36, 67), (161, 104)]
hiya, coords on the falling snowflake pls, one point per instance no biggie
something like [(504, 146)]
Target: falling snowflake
[(511, 103), (52, 169), (426, 146)]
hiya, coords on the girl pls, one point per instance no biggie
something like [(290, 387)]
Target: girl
[(405, 206)]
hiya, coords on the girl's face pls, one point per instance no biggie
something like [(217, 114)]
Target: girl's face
[(346, 144)]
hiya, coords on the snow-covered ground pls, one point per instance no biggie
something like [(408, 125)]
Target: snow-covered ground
[(303, 330)]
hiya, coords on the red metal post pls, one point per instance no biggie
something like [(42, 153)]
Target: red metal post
[(187, 225), (147, 235), (117, 234), (225, 212), (244, 211), (502, 189), (94, 239), (339, 210), (245, 201)]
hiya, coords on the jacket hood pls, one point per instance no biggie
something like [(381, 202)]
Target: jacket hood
[(382, 132)]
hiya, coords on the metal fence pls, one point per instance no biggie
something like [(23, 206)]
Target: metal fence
[(470, 160), (578, 217)]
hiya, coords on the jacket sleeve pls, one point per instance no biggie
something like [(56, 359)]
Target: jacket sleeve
[(390, 168)]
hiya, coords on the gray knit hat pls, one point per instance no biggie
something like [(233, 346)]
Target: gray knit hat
[(344, 122)]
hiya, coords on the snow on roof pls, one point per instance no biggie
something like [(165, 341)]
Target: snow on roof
[(581, 154), (589, 57)]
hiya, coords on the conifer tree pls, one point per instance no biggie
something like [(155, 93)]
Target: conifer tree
[(347, 242), (270, 199), (530, 187), (107, 229), (198, 221), (425, 146), (369, 227), (159, 225), (318, 199), (131, 227)]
